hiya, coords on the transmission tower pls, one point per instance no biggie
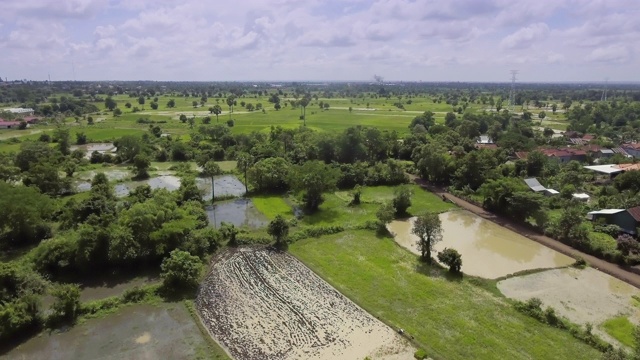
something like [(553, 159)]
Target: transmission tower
[(512, 93), (604, 92)]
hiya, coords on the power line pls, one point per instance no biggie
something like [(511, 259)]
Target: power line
[(512, 93)]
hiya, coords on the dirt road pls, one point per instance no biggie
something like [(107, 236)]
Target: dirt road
[(612, 269)]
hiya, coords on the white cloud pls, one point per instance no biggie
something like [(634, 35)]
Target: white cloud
[(525, 37), (610, 54), (259, 39)]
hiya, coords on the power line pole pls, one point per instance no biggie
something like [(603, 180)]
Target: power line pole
[(604, 92), (512, 93)]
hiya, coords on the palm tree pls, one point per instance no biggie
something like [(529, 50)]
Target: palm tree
[(217, 109), (304, 102), (211, 169), (230, 100), (245, 160)]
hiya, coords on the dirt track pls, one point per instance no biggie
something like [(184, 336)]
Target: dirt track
[(602, 265)]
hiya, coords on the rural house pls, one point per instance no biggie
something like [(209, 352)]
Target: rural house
[(9, 124), (632, 149), (628, 220)]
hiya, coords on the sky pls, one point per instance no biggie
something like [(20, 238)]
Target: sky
[(320, 40)]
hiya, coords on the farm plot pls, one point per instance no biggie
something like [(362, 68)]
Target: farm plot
[(264, 304)]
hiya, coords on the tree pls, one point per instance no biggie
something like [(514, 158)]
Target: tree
[(217, 110), (154, 105), (117, 112), (67, 301), (191, 121), (542, 115), (244, 160), (451, 258), (180, 271), (350, 109), (81, 138), (277, 106), (171, 103), (279, 230), (304, 102), (141, 163), (109, 103), (141, 100), (385, 215), (402, 199), (428, 228), (24, 213), (211, 169), (230, 102), (313, 178), (61, 135), (128, 147), (229, 232), (127, 105), (356, 193), (183, 118), (554, 108), (194, 103)]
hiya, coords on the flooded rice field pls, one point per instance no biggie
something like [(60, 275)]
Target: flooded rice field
[(488, 250), (264, 304), (103, 148), (582, 295), (166, 331), (239, 212), (226, 185)]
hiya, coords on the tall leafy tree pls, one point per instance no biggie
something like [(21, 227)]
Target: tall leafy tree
[(245, 160), (279, 230), (428, 228), (313, 178)]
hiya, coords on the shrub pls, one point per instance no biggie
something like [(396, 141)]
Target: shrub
[(451, 258), (420, 354)]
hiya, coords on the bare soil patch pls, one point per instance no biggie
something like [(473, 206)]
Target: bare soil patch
[(260, 303)]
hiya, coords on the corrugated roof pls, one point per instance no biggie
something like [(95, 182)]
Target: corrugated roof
[(605, 212), (635, 212), (534, 184), (605, 169)]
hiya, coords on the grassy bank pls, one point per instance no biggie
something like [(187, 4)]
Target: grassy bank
[(452, 319)]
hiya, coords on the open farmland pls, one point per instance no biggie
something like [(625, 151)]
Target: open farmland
[(264, 304)]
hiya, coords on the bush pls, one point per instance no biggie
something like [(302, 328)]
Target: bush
[(420, 354), (136, 294), (180, 271), (402, 199), (452, 259)]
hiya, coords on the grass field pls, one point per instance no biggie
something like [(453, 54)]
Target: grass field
[(451, 319), (336, 210), (272, 206), (621, 329)]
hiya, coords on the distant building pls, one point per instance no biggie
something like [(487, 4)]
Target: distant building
[(632, 149), (484, 139), (21, 111), (9, 124)]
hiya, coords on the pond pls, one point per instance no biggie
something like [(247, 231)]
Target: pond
[(226, 185), (239, 212), (103, 148), (488, 250)]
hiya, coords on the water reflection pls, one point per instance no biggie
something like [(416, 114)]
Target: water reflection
[(488, 250), (239, 212)]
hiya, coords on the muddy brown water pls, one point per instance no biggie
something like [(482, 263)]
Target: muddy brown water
[(239, 212), (488, 250)]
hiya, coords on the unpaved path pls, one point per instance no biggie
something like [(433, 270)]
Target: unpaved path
[(602, 265)]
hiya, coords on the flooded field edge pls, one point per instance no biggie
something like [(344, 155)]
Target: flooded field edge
[(488, 249)]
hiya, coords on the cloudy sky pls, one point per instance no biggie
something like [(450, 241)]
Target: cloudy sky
[(412, 40)]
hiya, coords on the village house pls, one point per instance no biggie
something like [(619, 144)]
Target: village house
[(9, 124), (632, 149), (626, 219)]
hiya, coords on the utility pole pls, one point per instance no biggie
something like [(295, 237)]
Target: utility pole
[(512, 93)]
